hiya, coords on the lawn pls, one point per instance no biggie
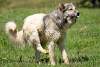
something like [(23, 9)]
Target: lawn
[(82, 44)]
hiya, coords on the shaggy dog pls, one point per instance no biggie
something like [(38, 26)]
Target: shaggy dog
[(41, 29)]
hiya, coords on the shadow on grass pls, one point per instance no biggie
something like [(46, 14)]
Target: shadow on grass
[(19, 60), (77, 59)]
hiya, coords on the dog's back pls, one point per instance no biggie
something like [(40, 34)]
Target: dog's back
[(34, 22)]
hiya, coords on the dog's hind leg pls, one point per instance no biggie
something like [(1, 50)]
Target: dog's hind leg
[(37, 55), (36, 41)]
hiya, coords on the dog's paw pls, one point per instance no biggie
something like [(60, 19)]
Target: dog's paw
[(45, 51), (66, 62)]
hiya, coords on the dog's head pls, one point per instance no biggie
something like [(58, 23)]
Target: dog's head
[(70, 13)]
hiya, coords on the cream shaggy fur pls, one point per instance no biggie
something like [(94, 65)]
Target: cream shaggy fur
[(28, 32)]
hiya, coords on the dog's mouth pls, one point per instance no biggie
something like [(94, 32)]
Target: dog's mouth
[(72, 17)]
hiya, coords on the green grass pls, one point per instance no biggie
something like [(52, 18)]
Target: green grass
[(31, 3), (83, 40)]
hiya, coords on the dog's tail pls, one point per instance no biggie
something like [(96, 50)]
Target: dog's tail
[(11, 30)]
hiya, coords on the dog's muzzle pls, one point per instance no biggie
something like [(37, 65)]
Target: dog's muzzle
[(73, 15)]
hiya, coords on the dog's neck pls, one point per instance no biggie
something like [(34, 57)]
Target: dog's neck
[(58, 17)]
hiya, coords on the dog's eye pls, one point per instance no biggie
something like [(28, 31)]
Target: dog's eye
[(70, 9)]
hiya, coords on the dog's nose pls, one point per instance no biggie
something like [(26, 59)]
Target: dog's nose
[(78, 14)]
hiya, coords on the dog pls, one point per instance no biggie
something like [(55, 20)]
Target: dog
[(41, 29)]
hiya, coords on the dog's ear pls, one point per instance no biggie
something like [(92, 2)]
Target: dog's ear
[(61, 7)]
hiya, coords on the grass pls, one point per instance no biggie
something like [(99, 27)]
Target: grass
[(31, 3), (82, 44)]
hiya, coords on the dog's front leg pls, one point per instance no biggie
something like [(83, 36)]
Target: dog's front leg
[(61, 46), (51, 52), (64, 53)]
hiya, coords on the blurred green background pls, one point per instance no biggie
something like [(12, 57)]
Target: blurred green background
[(31, 3)]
